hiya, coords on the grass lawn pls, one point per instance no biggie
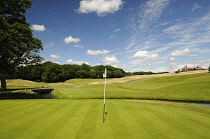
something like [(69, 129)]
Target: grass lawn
[(76, 118), (194, 87), (83, 81), (22, 84), (81, 117)]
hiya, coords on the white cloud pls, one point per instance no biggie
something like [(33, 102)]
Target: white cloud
[(112, 36), (55, 56), (97, 52), (109, 60), (36, 27), (116, 30), (70, 39), (51, 44), (78, 46), (154, 8), (56, 62), (101, 7), (145, 55), (196, 6), (172, 59), (180, 52), (76, 62), (183, 35), (189, 34), (143, 20)]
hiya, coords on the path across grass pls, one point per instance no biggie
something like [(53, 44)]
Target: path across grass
[(23, 119)]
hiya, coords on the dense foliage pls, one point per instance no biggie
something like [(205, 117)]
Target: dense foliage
[(52, 72), (143, 73), (17, 44)]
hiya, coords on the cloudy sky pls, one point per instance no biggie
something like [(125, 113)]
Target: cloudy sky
[(135, 35)]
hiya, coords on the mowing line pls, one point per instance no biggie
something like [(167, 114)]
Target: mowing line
[(88, 126), (119, 128)]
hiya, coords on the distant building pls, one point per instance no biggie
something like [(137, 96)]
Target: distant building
[(185, 69)]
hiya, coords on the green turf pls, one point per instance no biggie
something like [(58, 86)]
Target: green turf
[(193, 87), (83, 81), (83, 119), (22, 84)]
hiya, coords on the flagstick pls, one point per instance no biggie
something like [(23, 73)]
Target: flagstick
[(104, 113), (105, 89)]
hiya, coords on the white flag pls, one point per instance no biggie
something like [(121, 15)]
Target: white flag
[(105, 74)]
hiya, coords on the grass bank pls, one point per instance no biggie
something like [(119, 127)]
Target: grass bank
[(193, 87), (75, 118)]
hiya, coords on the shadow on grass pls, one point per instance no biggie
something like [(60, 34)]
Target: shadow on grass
[(15, 89), (18, 95)]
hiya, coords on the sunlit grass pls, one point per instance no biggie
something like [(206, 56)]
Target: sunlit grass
[(76, 118), (84, 81), (193, 87)]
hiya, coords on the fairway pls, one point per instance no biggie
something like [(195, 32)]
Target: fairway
[(192, 87), (57, 118)]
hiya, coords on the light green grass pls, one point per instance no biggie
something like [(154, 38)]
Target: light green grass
[(23, 119), (22, 84), (83, 81), (195, 87)]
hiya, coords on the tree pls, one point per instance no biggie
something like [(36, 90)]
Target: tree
[(52, 73), (209, 68), (178, 71), (17, 44)]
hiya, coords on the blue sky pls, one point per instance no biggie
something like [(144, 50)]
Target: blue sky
[(135, 35)]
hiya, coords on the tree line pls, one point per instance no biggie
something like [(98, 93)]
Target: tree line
[(53, 72), (143, 73)]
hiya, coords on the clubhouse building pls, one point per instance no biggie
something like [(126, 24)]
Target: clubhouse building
[(186, 69)]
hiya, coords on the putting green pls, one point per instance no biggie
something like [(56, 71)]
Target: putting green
[(82, 118)]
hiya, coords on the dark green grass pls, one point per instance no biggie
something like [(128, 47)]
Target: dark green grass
[(83, 119), (26, 94), (195, 87)]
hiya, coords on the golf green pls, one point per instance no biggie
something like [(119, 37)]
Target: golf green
[(82, 118)]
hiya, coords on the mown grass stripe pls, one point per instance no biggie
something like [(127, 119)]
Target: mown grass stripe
[(177, 122), (73, 125), (17, 108), (57, 118), (8, 104), (135, 129), (196, 121), (147, 120), (11, 122), (88, 126), (118, 126), (125, 119), (71, 122), (34, 121)]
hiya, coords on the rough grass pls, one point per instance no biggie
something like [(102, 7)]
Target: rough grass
[(83, 81), (194, 87), (191, 87), (74, 118), (22, 84)]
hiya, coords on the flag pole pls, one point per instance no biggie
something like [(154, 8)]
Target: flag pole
[(105, 74), (104, 109)]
